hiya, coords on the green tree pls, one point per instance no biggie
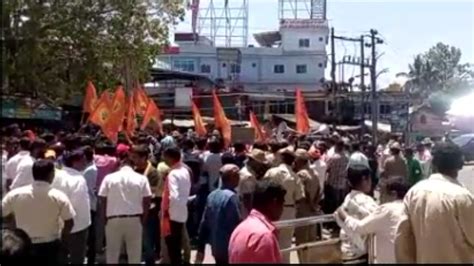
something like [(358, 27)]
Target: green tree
[(439, 70), (52, 47)]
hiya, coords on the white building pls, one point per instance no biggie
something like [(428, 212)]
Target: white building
[(293, 57)]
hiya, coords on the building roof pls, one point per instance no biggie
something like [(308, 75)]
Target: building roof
[(267, 39)]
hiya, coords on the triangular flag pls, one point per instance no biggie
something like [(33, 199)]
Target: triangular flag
[(131, 120), (101, 113), (302, 119), (90, 99), (140, 100), (117, 114), (220, 120), (259, 134), (152, 113), (198, 122)]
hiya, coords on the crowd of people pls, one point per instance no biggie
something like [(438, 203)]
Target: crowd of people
[(77, 197)]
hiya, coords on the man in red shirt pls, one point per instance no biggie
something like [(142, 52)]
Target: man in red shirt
[(255, 239)]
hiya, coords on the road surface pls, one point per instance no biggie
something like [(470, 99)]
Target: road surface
[(466, 177)]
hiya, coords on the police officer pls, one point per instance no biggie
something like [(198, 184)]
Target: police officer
[(285, 175)]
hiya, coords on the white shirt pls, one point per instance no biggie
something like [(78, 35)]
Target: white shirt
[(320, 168), (124, 190), (12, 164), (38, 209), (72, 183), (4, 172), (357, 205), (179, 181), (24, 172), (383, 222)]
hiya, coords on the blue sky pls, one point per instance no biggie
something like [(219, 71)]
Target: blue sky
[(408, 27)]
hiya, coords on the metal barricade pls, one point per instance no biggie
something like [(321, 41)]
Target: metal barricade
[(324, 250)]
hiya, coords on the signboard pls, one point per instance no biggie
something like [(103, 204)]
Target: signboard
[(303, 23), (244, 135), (182, 97), (229, 55)]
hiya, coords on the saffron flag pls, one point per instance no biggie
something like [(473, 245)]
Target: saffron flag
[(105, 96), (165, 222), (259, 134), (131, 118), (198, 123), (101, 113), (220, 120), (117, 113), (152, 113), (302, 119), (140, 100), (90, 99)]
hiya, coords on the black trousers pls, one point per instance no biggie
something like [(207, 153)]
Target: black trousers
[(46, 253), (73, 248), (173, 243), (91, 238)]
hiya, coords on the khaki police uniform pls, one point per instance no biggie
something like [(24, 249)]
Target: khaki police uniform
[(284, 175)]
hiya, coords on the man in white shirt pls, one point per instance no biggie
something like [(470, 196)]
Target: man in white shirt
[(439, 222), (125, 199), (90, 174), (38, 210), (383, 222), (174, 204), (24, 174), (70, 180), (12, 163), (359, 205)]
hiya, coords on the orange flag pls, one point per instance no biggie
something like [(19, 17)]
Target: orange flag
[(117, 113), (105, 96), (90, 99), (131, 120), (302, 119), (101, 113), (221, 121), (259, 135), (140, 100), (152, 113), (198, 123)]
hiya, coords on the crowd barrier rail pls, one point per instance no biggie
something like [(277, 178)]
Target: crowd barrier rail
[(323, 250)]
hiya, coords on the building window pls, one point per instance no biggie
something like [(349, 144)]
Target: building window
[(304, 42), (385, 109), (320, 65), (184, 65), (301, 69), (279, 69), (321, 39), (235, 69), (254, 64), (205, 69)]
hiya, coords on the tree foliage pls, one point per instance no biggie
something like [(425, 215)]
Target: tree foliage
[(52, 47), (439, 70)]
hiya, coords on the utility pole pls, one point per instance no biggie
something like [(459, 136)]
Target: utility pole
[(360, 62), (362, 84), (373, 80), (333, 73)]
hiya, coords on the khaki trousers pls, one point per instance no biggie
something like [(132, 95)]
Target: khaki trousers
[(285, 236), (127, 231)]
